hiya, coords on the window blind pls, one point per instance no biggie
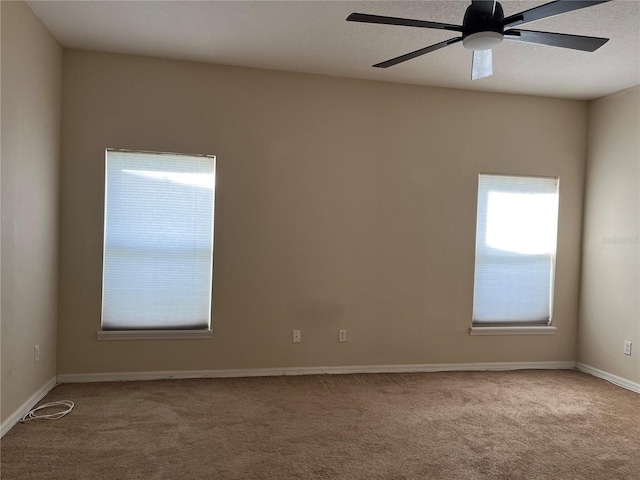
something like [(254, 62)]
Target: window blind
[(158, 241), (516, 236)]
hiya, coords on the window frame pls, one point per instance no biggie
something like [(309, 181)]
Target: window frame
[(150, 334), (515, 327)]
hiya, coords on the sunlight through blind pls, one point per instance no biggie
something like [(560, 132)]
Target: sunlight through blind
[(158, 241), (516, 237)]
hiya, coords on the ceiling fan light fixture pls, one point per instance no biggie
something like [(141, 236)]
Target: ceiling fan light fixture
[(482, 40)]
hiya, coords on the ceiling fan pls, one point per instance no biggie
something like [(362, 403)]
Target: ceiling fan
[(484, 27)]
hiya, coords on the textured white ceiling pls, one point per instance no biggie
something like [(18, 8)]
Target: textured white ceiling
[(313, 37)]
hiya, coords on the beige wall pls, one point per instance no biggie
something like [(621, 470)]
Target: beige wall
[(31, 97), (609, 305), (340, 204)]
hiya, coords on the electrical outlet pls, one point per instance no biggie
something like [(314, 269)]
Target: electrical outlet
[(342, 335), (627, 348), (296, 336), (36, 353)]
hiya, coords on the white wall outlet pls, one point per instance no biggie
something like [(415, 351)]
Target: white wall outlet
[(627, 348), (342, 335), (296, 336), (36, 353)]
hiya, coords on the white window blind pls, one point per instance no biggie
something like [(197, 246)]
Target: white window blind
[(158, 241), (516, 236)]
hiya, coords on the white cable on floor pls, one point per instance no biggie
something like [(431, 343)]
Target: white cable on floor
[(51, 416)]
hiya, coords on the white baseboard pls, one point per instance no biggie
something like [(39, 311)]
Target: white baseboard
[(26, 406), (610, 377), (270, 372)]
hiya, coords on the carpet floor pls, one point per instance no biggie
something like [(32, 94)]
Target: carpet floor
[(556, 425)]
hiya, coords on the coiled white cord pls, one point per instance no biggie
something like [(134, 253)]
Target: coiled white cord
[(51, 416)]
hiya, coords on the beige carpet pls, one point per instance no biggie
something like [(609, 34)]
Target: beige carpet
[(482, 425)]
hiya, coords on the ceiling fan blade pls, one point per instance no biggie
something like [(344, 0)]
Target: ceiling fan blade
[(406, 22), (575, 42), (487, 6), (482, 64), (417, 53), (549, 10)]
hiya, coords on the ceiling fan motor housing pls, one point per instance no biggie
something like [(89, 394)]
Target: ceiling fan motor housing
[(482, 29)]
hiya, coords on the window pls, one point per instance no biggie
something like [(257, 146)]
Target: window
[(515, 251), (158, 241)]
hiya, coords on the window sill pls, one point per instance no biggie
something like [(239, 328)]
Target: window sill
[(545, 330), (109, 335)]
